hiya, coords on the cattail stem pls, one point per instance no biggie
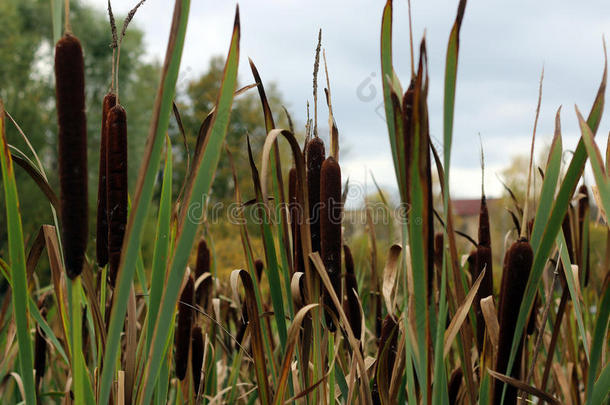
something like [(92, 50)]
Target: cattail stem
[(70, 95), (296, 218), (331, 212), (117, 187)]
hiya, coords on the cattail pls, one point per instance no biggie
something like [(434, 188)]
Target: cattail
[(117, 186), (583, 218), (315, 158), (196, 356), (102, 199), (202, 266), (330, 227), (40, 351), (386, 354), (483, 261), (183, 330), (296, 219), (259, 266), (350, 303), (517, 266), (472, 264), (70, 95), (454, 385)]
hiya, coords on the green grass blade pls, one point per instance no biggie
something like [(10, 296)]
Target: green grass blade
[(162, 239), (553, 225), (549, 184), (144, 190), (387, 72), (203, 170), (597, 163), (602, 386), (567, 268), (19, 296), (599, 339), (56, 14)]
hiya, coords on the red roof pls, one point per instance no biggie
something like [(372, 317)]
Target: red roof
[(469, 207)]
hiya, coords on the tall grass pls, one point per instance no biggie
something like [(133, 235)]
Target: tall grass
[(311, 323)]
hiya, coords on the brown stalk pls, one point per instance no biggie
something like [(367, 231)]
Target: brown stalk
[(296, 212), (72, 145)]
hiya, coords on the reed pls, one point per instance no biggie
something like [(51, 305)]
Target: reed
[(296, 212), (72, 145)]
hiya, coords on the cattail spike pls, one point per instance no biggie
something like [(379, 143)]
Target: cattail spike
[(117, 186), (196, 357), (517, 266), (315, 157), (102, 198), (70, 96), (351, 307), (183, 329), (331, 212)]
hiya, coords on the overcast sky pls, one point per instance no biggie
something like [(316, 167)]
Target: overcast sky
[(504, 46)]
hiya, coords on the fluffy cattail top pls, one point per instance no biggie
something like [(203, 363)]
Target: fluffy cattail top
[(72, 145)]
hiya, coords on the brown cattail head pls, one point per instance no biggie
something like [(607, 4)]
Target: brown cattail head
[(70, 96), (517, 266), (472, 264), (484, 230), (296, 218), (259, 266), (583, 217), (40, 351), (483, 261), (202, 266), (454, 385), (203, 259), (183, 330), (331, 210), (350, 302), (386, 355), (315, 158), (196, 356), (117, 191), (102, 199)]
